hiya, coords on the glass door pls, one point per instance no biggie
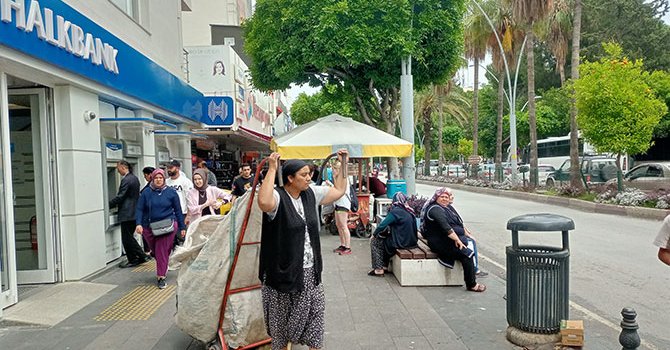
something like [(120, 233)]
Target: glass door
[(8, 288), (32, 201)]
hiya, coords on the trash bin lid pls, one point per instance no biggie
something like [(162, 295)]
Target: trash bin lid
[(540, 222)]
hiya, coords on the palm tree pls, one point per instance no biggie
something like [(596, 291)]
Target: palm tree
[(477, 32), (559, 24), (575, 177), (424, 105), (528, 13), (449, 101), (511, 37)]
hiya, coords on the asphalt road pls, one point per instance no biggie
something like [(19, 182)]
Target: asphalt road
[(613, 262)]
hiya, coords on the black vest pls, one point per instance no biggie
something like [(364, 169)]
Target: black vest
[(283, 243)]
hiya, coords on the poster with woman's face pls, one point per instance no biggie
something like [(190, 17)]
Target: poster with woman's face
[(208, 69)]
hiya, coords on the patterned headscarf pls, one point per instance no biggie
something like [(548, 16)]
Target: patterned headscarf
[(203, 175), (400, 200), (153, 176), (438, 192)]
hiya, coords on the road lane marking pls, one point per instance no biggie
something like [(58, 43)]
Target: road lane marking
[(580, 308)]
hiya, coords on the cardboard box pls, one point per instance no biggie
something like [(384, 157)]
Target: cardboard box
[(572, 332)]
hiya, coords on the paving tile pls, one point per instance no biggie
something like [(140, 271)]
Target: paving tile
[(411, 343)]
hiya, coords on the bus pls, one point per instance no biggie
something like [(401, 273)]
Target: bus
[(556, 150)]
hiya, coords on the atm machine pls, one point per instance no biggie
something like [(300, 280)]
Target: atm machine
[(114, 151), (163, 155), (132, 153)]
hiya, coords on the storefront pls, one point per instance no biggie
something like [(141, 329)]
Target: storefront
[(75, 99), (238, 120)]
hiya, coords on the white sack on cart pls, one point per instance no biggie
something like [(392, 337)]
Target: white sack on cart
[(205, 258)]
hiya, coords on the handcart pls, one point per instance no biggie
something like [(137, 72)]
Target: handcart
[(220, 342)]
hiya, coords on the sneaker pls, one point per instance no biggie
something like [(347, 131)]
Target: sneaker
[(339, 249), (445, 264), (481, 273), (161, 283), (345, 251)]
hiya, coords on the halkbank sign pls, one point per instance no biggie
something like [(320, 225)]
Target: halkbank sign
[(59, 31), (60, 36)]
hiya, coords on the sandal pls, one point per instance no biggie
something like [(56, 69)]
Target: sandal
[(478, 288), (373, 273)]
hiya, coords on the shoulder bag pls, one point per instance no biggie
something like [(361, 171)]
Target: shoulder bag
[(161, 227)]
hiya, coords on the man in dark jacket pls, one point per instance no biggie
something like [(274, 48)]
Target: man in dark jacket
[(126, 200)]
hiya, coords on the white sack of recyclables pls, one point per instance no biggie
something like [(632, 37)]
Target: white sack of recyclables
[(204, 261)]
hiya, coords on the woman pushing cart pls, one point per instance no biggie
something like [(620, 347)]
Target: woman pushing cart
[(290, 258)]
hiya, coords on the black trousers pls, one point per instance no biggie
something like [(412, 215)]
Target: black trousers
[(134, 252), (446, 250)]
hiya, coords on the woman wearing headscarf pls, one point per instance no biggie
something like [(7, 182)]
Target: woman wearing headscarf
[(290, 257), (158, 217), (447, 237), (202, 198), (396, 231)]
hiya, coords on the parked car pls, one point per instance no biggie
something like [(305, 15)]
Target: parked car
[(455, 170), (647, 177), (543, 171), (597, 169)]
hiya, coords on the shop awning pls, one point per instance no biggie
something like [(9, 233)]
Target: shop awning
[(324, 136), (146, 123), (247, 140), (180, 134)]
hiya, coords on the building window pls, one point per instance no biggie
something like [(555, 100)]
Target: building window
[(130, 7)]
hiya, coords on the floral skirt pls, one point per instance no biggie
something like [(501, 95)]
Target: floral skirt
[(296, 317)]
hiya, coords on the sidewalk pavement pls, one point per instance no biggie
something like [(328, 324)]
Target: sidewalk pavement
[(362, 312)]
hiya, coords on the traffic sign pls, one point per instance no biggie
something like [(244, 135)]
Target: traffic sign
[(473, 160)]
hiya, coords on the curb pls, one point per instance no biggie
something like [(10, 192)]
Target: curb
[(573, 203)]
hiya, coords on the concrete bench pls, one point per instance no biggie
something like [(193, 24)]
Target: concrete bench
[(419, 267)]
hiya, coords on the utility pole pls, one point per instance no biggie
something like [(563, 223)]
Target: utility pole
[(407, 122)]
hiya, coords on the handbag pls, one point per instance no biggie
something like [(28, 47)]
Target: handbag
[(162, 227)]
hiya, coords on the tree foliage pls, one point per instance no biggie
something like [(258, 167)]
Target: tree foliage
[(325, 102), (635, 24), (356, 45), (618, 111), (659, 82)]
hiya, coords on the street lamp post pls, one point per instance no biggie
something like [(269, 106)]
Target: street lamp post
[(511, 97)]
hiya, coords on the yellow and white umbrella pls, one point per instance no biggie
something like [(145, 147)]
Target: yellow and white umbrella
[(324, 136)]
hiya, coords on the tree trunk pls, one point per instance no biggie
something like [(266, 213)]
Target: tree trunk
[(391, 162), (475, 111), (532, 119), (426, 141), (575, 176), (440, 128), (499, 132), (561, 74)]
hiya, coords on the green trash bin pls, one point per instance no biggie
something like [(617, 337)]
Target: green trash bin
[(538, 276)]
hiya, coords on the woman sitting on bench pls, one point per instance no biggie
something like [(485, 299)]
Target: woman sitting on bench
[(396, 231), (447, 237)]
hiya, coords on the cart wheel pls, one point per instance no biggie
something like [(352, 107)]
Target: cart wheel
[(361, 231), (215, 345)]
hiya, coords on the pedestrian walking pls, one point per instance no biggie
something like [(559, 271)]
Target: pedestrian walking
[(158, 216), (126, 200), (204, 199), (243, 182), (181, 184), (290, 257), (662, 241), (342, 208), (211, 177)]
